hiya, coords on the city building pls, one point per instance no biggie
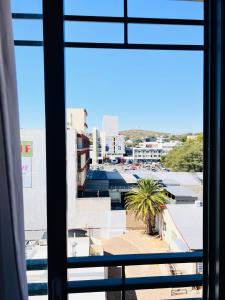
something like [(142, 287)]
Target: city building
[(83, 159), (147, 154), (76, 247), (162, 139), (110, 125), (181, 226), (96, 146), (112, 143), (165, 145), (33, 158), (94, 215), (168, 146), (76, 118)]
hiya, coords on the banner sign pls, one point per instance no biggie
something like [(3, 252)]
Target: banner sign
[(26, 148), (27, 171)]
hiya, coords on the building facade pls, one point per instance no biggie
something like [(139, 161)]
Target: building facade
[(147, 154), (33, 157), (112, 143), (110, 125), (77, 120)]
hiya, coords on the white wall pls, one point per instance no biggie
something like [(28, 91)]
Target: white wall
[(170, 233), (95, 215), (35, 197), (72, 177)]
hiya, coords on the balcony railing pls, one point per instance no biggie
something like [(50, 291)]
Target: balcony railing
[(122, 284)]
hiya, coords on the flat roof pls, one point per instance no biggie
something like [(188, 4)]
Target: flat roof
[(179, 191), (188, 218), (178, 178)]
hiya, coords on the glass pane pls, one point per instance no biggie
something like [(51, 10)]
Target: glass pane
[(164, 34), (94, 8), (93, 32), (140, 106), (26, 6), (30, 81), (165, 9), (22, 30)]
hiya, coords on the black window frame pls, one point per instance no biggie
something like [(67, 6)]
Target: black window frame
[(214, 130)]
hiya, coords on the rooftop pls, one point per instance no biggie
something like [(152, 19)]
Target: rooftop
[(188, 218)]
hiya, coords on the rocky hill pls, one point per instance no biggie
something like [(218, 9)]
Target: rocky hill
[(138, 134)]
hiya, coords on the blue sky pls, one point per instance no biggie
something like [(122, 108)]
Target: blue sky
[(155, 90)]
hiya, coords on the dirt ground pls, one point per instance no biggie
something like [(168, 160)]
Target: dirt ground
[(136, 241)]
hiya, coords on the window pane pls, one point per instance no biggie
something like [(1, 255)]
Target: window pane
[(145, 103), (164, 34), (93, 32), (165, 9), (30, 81), (94, 8), (26, 6)]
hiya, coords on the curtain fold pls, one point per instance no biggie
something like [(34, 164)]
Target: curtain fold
[(13, 285)]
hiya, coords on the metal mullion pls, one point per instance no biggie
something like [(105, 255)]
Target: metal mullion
[(213, 99), (125, 22), (108, 19), (169, 47), (215, 132), (135, 46), (26, 43), (133, 20), (27, 16), (206, 143), (53, 31)]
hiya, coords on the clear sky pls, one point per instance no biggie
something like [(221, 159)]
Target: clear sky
[(155, 90)]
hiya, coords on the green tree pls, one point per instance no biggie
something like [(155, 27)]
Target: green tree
[(146, 201), (187, 157)]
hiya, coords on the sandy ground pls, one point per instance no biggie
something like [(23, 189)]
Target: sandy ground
[(139, 242)]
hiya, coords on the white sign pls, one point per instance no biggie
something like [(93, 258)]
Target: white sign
[(119, 144), (27, 172), (109, 145)]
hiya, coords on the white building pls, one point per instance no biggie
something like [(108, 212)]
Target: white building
[(76, 118), (33, 152), (150, 154), (94, 213), (181, 227), (76, 246), (110, 125), (112, 143), (166, 146), (96, 146)]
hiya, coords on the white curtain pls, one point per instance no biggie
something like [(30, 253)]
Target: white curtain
[(13, 285)]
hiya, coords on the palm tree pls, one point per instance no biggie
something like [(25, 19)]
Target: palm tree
[(146, 201)]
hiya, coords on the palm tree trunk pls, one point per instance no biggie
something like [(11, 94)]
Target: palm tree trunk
[(149, 225)]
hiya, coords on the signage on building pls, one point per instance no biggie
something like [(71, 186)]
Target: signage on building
[(109, 145), (26, 148), (27, 171), (119, 144)]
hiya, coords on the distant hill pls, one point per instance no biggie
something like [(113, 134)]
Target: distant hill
[(138, 134)]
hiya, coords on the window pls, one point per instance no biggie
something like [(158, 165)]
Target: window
[(126, 42)]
